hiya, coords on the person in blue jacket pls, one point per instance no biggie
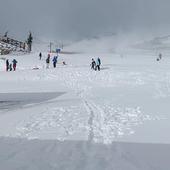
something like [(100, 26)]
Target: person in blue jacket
[(55, 61), (98, 63)]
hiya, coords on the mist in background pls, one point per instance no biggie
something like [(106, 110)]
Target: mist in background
[(79, 19)]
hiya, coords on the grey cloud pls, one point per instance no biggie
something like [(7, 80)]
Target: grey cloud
[(75, 19)]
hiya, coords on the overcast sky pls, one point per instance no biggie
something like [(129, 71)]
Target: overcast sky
[(72, 19)]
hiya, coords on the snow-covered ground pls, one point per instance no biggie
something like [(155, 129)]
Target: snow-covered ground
[(19, 154), (127, 101)]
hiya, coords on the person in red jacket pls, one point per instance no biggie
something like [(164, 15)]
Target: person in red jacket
[(14, 64)]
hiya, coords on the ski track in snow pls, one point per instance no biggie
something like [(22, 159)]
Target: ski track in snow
[(108, 122), (104, 122)]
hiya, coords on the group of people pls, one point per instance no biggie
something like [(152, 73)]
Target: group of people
[(54, 60), (11, 66), (95, 65)]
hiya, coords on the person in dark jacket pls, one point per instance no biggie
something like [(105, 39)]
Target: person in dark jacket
[(14, 64), (10, 67), (48, 62), (7, 65), (93, 64), (40, 55)]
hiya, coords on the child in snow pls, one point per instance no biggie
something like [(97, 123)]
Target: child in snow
[(93, 64)]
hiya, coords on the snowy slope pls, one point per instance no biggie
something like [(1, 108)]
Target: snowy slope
[(128, 100), (157, 45)]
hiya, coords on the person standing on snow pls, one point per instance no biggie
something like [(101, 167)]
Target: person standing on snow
[(93, 64), (40, 55), (54, 61), (14, 64), (10, 67), (159, 57), (7, 65), (48, 62), (98, 63)]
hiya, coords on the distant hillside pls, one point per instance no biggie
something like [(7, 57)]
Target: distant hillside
[(8, 45), (157, 43)]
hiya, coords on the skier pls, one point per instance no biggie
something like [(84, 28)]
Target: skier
[(54, 61), (93, 64), (48, 61), (40, 55), (98, 63), (7, 65), (14, 64)]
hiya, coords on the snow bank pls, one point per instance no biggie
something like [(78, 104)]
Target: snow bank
[(18, 154)]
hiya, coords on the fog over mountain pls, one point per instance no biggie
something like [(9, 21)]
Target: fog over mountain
[(77, 19)]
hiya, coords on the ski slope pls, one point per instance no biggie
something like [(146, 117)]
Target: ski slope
[(127, 101)]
